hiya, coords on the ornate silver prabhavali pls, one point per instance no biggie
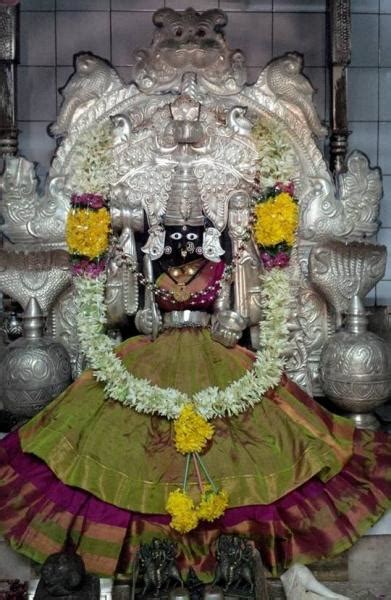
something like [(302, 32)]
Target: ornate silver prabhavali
[(182, 138), (34, 369)]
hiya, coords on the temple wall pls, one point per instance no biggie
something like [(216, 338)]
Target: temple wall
[(53, 30)]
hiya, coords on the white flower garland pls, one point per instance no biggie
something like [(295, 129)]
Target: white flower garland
[(92, 162), (276, 156), (142, 396)]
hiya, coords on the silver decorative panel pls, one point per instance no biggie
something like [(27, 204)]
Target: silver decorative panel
[(180, 129)]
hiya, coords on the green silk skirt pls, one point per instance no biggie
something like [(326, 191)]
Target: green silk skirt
[(91, 473), (129, 459)]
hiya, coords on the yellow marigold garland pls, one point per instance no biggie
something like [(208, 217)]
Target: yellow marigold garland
[(192, 431), (87, 232), (212, 505), (276, 220), (182, 510)]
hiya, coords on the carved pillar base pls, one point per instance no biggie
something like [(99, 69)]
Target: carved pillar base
[(338, 150), (8, 141)]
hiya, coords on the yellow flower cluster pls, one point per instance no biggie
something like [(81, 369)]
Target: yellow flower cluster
[(192, 431), (87, 232), (185, 515), (181, 507), (212, 505), (276, 220)]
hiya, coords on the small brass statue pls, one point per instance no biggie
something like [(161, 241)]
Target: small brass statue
[(157, 562), (235, 567), (63, 575)]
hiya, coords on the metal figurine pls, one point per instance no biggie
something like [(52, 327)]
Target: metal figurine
[(235, 565), (158, 568), (63, 575), (194, 584)]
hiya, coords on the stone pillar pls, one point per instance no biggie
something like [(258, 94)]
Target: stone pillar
[(8, 58), (339, 29)]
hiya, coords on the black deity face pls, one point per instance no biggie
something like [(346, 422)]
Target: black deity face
[(182, 245)]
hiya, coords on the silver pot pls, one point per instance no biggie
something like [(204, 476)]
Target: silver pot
[(355, 368), (34, 369)]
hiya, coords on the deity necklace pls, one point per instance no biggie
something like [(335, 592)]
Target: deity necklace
[(182, 276)]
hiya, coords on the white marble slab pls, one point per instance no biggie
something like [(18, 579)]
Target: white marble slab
[(382, 527)]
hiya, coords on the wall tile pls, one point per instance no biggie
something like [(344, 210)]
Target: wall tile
[(37, 42), (125, 73), (36, 99), (35, 143), (303, 33), (365, 40), (385, 94), (130, 31), (253, 74), (385, 205), (252, 33), (83, 4), (364, 137), (196, 4), (385, 41), (317, 76), (37, 5), (383, 293), (246, 5), (299, 5), (364, 6), (137, 4), (363, 92), (370, 299), (385, 6), (82, 32), (63, 74), (385, 147)]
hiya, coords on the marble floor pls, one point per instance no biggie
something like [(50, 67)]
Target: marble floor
[(354, 591)]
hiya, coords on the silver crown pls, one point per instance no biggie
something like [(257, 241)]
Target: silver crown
[(184, 206)]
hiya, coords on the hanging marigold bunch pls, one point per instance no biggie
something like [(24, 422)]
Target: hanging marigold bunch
[(88, 230), (192, 433), (212, 504), (182, 510), (276, 218)]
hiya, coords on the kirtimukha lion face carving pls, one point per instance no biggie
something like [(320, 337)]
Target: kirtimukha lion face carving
[(189, 42)]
